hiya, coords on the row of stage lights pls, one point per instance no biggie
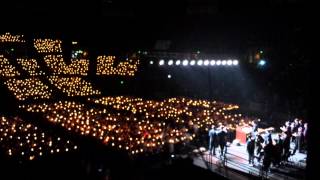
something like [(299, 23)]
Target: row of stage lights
[(198, 62)]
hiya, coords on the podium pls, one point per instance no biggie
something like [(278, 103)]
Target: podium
[(241, 133)]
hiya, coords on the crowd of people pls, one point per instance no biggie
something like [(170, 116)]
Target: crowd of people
[(264, 146), (276, 149)]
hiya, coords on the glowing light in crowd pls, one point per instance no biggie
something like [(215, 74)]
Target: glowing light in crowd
[(25, 141), (105, 66), (58, 66), (143, 125), (28, 88), (47, 45), (74, 86), (6, 69), (7, 37), (31, 66)]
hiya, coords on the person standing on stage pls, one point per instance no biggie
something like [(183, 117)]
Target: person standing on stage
[(295, 125), (268, 156), (250, 149), (297, 141), (222, 139), (254, 130), (304, 134), (267, 137), (259, 145), (286, 147), (212, 140), (278, 149)]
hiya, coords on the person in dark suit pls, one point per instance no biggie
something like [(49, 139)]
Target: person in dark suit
[(286, 147), (278, 148), (268, 155), (250, 150), (222, 140)]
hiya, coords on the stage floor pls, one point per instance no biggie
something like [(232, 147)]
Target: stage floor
[(236, 165)]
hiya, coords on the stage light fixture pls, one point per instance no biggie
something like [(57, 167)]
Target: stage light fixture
[(206, 62), (169, 76), (212, 62), (229, 62), (224, 62), (218, 63), (185, 62), (192, 62), (178, 62), (151, 62), (161, 62), (170, 62), (235, 62), (200, 62), (262, 62)]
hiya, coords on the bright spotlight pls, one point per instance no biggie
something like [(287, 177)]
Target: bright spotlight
[(169, 76), (178, 62), (200, 62), (206, 62), (262, 62), (224, 62), (212, 62), (170, 62), (151, 62), (192, 62), (229, 62), (185, 62), (218, 63), (161, 62), (235, 62)]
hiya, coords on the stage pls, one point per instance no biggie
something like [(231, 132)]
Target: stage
[(236, 166)]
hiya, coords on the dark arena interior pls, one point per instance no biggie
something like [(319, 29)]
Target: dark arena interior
[(192, 89)]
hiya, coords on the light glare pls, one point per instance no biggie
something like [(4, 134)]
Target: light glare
[(206, 62), (185, 62)]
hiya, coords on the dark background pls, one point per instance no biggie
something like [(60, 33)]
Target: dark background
[(281, 28)]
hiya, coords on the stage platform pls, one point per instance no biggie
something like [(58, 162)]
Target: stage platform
[(235, 165)]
